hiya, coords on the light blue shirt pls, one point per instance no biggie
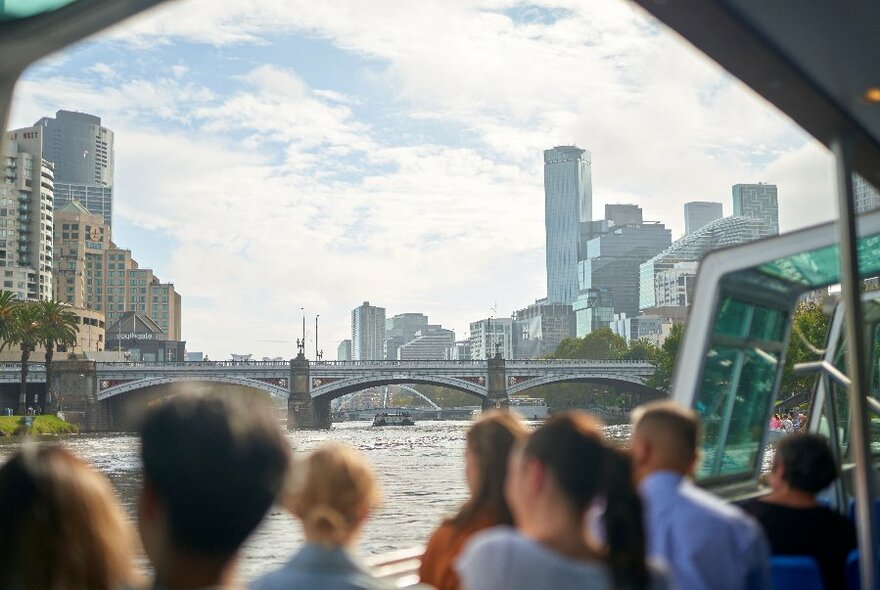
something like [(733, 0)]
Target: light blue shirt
[(315, 566), (500, 558), (707, 543)]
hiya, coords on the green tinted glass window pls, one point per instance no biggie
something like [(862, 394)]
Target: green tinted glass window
[(822, 266), (13, 9), (739, 375)]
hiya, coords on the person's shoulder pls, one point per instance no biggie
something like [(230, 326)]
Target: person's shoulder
[(494, 539), (711, 507)]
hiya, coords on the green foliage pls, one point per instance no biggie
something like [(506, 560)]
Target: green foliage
[(15, 425), (600, 344), (808, 333), (664, 359)]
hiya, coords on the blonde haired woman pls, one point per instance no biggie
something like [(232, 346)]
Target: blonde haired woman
[(332, 492), (61, 527)]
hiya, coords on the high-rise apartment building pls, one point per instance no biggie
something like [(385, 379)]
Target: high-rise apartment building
[(367, 332), (81, 150), (26, 216), (700, 213), (867, 197), (92, 272), (568, 202), (757, 201), (490, 336)]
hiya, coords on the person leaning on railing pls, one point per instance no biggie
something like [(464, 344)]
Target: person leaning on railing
[(489, 442)]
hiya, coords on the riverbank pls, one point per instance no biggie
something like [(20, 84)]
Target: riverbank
[(16, 426)]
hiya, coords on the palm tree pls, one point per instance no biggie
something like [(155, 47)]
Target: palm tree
[(26, 333), (57, 327), (7, 318)]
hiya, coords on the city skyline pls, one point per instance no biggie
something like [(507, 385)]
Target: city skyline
[(267, 163)]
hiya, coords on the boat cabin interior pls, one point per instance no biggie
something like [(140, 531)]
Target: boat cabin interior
[(817, 62)]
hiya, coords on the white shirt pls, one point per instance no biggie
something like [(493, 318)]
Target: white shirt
[(501, 558)]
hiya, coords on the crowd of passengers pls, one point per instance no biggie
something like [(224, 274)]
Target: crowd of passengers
[(789, 422), (558, 507)]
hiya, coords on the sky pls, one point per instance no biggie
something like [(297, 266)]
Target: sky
[(274, 156)]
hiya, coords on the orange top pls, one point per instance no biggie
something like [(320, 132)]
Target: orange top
[(438, 562)]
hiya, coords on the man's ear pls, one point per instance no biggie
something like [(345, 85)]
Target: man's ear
[(640, 450)]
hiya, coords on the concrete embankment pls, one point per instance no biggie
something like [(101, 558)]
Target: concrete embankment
[(21, 426)]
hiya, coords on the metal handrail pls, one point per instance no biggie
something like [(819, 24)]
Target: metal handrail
[(400, 567)]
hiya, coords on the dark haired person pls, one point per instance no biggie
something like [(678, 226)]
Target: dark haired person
[(212, 468), (706, 543), (489, 442), (563, 469), (794, 521)]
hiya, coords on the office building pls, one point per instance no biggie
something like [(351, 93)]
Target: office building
[(26, 216), (675, 286), (92, 272), (867, 197), (728, 231), (81, 150), (568, 202), (143, 340), (491, 336), (698, 214), (400, 329), (757, 201), (610, 268), (540, 328), (593, 309), (459, 351), (343, 351), (428, 345), (623, 214), (367, 333)]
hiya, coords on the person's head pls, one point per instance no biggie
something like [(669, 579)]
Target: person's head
[(332, 492), (213, 465), (803, 462), (561, 470), (60, 525), (664, 437), (488, 445)]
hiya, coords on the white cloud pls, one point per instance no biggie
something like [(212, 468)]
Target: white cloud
[(280, 196)]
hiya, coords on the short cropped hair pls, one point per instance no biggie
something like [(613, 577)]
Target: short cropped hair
[(807, 461), (680, 426), (217, 463)]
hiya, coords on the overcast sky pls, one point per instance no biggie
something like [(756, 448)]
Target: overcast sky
[(273, 155)]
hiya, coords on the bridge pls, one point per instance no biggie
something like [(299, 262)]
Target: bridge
[(309, 386)]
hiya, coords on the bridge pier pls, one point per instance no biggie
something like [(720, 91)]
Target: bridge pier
[(496, 384), (304, 413), (75, 383)]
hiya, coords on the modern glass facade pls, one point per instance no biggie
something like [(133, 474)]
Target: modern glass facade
[(867, 197), (367, 332), (698, 214), (728, 231), (540, 328), (568, 202), (757, 201), (96, 198)]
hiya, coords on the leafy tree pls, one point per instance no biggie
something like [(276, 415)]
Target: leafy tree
[(640, 350), (7, 317), (57, 327), (600, 344), (26, 333), (664, 359), (808, 332)]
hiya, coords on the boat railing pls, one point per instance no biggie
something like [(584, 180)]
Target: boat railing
[(400, 568)]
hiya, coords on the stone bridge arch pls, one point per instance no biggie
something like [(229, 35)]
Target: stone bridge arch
[(632, 384), (330, 391), (111, 392)]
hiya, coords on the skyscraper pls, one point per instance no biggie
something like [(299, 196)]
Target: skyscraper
[(757, 201), (26, 217), (866, 195), (82, 151), (700, 213), (367, 332), (568, 202)]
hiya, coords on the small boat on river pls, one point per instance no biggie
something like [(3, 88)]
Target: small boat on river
[(396, 419)]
